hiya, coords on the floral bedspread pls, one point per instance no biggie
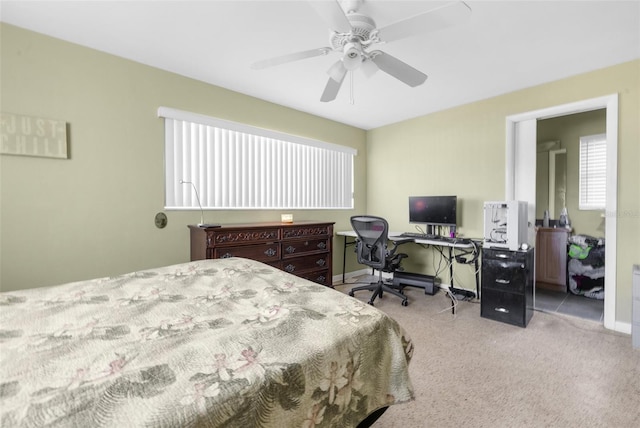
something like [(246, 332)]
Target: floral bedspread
[(220, 343)]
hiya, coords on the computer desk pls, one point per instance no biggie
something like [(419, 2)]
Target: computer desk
[(450, 246)]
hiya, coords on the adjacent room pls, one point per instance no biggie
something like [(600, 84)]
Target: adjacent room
[(319, 213)]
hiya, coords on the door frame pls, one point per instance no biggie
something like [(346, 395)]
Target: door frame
[(519, 182)]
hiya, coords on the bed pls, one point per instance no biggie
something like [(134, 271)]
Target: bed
[(227, 342)]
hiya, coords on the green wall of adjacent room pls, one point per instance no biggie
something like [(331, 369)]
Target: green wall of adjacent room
[(568, 130)]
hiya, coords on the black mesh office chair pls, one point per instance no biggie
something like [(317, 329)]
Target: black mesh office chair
[(372, 250)]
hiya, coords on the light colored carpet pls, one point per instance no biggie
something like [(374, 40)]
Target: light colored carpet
[(470, 371)]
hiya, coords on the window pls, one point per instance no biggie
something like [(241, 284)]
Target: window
[(593, 172), (228, 165)]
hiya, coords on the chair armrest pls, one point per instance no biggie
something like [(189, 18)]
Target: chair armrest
[(397, 243)]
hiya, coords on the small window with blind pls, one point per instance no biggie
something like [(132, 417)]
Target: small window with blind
[(593, 172), (227, 165)]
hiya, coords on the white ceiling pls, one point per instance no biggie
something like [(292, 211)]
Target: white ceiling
[(503, 46)]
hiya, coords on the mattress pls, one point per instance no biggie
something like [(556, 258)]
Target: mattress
[(228, 342)]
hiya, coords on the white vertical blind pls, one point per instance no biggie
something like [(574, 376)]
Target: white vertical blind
[(593, 172), (235, 166)]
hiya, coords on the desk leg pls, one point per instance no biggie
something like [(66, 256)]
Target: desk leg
[(453, 300), (477, 266), (451, 265), (344, 258)]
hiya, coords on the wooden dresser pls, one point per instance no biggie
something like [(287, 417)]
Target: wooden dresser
[(551, 258), (302, 248)]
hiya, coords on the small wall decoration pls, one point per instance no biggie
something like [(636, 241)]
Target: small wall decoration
[(161, 220), (32, 136)]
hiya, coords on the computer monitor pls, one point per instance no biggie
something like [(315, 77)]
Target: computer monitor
[(433, 210)]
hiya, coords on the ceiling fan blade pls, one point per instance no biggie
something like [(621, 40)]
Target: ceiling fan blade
[(331, 12), (337, 71), (289, 58), (398, 69), (433, 20), (332, 88)]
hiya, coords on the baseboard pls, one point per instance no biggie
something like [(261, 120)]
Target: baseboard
[(622, 327)]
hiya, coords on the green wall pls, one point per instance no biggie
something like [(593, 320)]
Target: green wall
[(93, 214), (461, 151), (568, 130)]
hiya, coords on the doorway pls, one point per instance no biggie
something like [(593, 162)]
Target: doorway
[(521, 132), (565, 284)]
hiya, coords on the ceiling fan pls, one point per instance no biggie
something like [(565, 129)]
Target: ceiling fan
[(353, 35)]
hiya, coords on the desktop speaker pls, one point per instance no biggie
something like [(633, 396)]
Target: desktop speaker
[(431, 284)]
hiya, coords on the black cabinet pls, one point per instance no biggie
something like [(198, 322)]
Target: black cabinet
[(507, 286)]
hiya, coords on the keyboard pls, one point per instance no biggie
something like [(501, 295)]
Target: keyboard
[(431, 237), (417, 235)]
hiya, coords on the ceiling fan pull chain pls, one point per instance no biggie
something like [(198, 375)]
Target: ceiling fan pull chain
[(351, 98)]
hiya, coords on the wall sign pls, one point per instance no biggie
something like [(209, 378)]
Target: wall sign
[(32, 136)]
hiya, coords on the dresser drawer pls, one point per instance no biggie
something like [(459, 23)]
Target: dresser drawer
[(301, 264), (311, 231), (299, 247), (510, 308), (219, 237), (263, 253), (321, 277)]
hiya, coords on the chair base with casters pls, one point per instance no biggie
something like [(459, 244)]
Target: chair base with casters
[(378, 289)]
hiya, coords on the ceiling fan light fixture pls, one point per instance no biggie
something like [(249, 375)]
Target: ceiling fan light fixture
[(369, 68), (352, 56)]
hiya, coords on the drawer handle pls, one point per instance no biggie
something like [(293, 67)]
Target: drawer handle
[(321, 262), (270, 252), (503, 310), (290, 249), (322, 245), (321, 279), (289, 268), (503, 281), (226, 255), (502, 256)]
